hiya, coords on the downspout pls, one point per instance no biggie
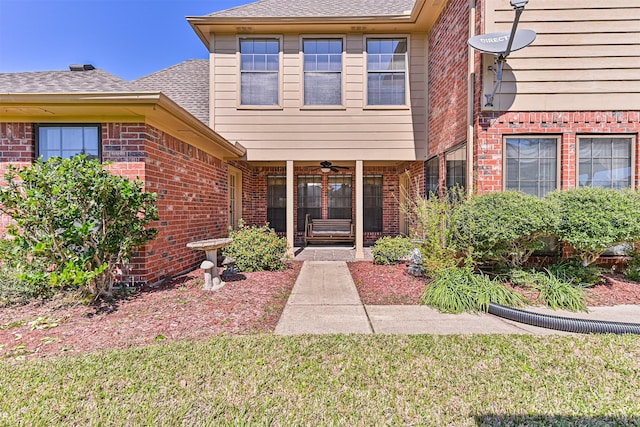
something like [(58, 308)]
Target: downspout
[(471, 98)]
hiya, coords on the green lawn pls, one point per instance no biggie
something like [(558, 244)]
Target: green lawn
[(334, 380)]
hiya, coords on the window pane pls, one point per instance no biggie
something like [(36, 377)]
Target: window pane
[(372, 189), (309, 198), (387, 68), (386, 89), (339, 196), (259, 88), (432, 170), (68, 141), (260, 67), (322, 89), (277, 203), (605, 162), (322, 72), (531, 165)]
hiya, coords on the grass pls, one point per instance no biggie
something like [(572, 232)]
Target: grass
[(334, 380)]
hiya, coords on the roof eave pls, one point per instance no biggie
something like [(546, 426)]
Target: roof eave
[(154, 108)]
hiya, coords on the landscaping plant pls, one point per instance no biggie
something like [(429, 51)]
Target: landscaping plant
[(429, 222), (502, 228), (74, 223), (633, 267), (556, 293), (389, 250), (459, 289), (256, 248), (591, 220)]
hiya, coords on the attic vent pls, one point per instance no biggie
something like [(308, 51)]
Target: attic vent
[(81, 67)]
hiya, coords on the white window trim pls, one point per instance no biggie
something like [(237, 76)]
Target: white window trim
[(239, 104), (558, 139), (365, 81), (634, 143), (343, 90)]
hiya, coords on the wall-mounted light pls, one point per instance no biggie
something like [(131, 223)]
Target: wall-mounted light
[(519, 4)]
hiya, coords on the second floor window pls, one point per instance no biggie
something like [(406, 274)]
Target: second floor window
[(322, 71), (259, 71), (67, 141), (387, 71)]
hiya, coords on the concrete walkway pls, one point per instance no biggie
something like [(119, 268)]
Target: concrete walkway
[(324, 300)]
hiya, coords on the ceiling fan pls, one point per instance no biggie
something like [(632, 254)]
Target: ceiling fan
[(327, 167)]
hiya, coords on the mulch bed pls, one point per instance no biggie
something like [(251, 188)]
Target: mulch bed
[(180, 309), (177, 310), (389, 285)]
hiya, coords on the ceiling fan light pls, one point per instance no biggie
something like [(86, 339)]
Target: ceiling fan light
[(325, 170)]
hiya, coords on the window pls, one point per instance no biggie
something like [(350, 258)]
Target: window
[(386, 71), (277, 202), (605, 162), (322, 71), (309, 198), (456, 168), (531, 165), (68, 140), (372, 189), (432, 172), (259, 71), (339, 196)]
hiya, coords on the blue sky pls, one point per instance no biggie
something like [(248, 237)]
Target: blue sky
[(128, 38)]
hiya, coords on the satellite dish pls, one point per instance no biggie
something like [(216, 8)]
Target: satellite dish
[(498, 43)]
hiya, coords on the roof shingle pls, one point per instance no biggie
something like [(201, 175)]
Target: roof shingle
[(63, 82), (318, 8), (187, 84)]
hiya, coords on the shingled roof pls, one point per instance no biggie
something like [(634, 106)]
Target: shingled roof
[(318, 8), (187, 84), (63, 82)]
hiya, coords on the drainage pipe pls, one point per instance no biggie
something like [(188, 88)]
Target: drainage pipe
[(567, 324)]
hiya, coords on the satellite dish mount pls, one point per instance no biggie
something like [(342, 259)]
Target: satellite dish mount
[(502, 44)]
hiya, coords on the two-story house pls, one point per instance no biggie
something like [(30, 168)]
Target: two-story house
[(337, 109)]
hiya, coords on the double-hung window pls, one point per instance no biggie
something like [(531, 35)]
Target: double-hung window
[(322, 71), (531, 165), (387, 71), (67, 141), (260, 71), (605, 162)]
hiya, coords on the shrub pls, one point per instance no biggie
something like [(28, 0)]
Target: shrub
[(388, 250), (429, 220), (633, 267), (503, 228), (75, 222), (256, 248), (459, 289), (555, 293), (591, 220)]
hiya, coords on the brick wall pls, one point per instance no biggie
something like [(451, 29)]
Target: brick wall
[(192, 202), (191, 187), (492, 127), (448, 78)]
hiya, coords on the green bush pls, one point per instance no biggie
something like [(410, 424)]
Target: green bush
[(555, 293), (503, 228), (74, 222), (633, 267), (429, 220), (388, 250), (256, 248), (459, 289), (591, 220)]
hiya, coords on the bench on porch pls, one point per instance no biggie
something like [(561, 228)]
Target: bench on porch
[(328, 230)]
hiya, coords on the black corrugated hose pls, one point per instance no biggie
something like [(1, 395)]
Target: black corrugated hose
[(567, 324)]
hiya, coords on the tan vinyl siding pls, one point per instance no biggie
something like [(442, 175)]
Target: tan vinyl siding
[(295, 132), (586, 56)]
